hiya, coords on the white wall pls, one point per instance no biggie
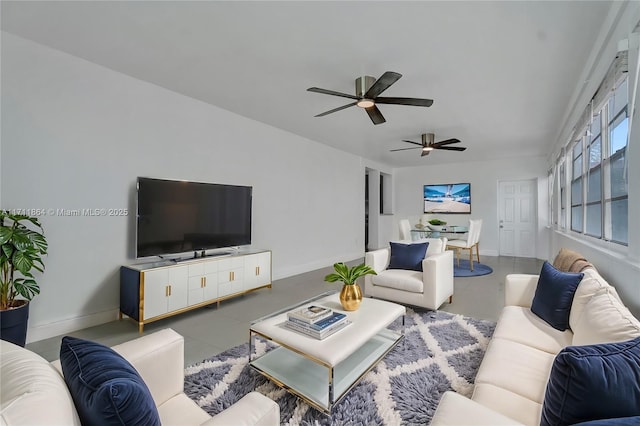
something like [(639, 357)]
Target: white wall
[(620, 265), (76, 135), (484, 177)]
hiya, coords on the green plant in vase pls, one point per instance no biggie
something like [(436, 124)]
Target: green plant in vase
[(351, 294), (21, 251)]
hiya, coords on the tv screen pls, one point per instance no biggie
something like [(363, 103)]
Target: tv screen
[(177, 216), (447, 198)]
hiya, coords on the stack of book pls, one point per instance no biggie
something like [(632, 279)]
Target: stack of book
[(316, 321)]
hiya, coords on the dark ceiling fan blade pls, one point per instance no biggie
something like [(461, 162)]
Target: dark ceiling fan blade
[(450, 148), (382, 84), (415, 143), (375, 115), (404, 149), (336, 109), (425, 153), (446, 142), (405, 101), (331, 92)]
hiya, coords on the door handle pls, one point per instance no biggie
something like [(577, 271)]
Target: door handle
[(501, 226)]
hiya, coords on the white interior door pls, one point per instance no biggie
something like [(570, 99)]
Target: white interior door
[(517, 218)]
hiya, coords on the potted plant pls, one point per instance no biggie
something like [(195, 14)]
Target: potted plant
[(436, 224), (22, 244), (351, 294)]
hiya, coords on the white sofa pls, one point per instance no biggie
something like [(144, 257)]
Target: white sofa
[(512, 378), (33, 391), (429, 288)]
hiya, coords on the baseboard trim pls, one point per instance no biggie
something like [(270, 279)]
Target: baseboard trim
[(41, 332)]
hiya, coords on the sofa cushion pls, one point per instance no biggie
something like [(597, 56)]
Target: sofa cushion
[(33, 392), (399, 279), (106, 389), (407, 256), (593, 382), (605, 320), (519, 324), (515, 367), (508, 403), (554, 295), (591, 283)]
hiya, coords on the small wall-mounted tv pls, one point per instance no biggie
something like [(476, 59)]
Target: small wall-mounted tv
[(447, 198), (177, 216)]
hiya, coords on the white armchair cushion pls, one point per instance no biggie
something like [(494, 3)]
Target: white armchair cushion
[(605, 319), (400, 279)]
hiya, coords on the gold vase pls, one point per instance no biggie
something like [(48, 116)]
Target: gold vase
[(350, 297)]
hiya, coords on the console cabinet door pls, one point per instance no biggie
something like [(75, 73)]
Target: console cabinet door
[(155, 292), (165, 290), (257, 270), (178, 291), (230, 276)]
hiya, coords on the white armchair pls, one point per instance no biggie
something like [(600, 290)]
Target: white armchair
[(429, 288)]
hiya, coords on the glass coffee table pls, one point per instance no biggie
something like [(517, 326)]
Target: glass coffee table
[(321, 372)]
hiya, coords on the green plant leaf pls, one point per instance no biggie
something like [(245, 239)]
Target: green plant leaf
[(26, 288), (5, 234)]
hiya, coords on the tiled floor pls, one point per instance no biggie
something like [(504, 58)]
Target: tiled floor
[(208, 331)]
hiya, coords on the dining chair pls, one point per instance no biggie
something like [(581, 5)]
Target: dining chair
[(473, 240), (405, 229)]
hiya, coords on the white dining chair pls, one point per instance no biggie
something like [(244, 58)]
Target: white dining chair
[(472, 241), (405, 229)]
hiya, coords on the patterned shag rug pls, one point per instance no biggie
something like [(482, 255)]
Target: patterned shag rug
[(441, 352)]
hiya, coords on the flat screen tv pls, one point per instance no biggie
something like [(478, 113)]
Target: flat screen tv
[(447, 198), (177, 216)]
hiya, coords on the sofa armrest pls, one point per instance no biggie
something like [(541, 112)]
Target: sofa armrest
[(159, 358), (253, 409), (437, 274), (457, 410), (519, 289), (378, 260)]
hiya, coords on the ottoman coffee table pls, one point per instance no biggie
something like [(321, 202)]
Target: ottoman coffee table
[(321, 372)]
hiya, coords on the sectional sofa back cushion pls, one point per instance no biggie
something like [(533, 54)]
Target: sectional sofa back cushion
[(106, 389), (593, 382), (407, 256), (591, 283), (605, 319), (33, 392), (554, 295)]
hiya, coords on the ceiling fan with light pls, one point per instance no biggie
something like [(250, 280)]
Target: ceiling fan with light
[(429, 145), (367, 96)]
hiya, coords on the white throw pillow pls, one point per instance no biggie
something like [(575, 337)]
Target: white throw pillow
[(605, 320)]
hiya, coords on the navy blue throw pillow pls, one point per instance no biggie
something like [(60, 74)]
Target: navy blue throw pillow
[(407, 256), (106, 389), (554, 295), (617, 421), (594, 382)]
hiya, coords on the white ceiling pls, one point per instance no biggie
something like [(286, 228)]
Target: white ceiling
[(501, 73)]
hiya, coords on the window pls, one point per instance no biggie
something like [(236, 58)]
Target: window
[(599, 186)]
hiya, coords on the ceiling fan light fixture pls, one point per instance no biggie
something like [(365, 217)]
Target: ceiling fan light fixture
[(427, 149), (365, 103)]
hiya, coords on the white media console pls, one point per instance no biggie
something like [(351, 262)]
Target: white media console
[(152, 291)]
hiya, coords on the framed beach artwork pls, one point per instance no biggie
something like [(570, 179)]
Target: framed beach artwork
[(447, 198)]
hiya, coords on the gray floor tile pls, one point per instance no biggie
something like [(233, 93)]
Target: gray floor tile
[(213, 329)]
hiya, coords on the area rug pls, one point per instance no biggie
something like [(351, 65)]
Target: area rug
[(464, 270), (440, 352)]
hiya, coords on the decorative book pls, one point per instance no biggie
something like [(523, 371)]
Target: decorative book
[(310, 314), (322, 324), (322, 334)]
